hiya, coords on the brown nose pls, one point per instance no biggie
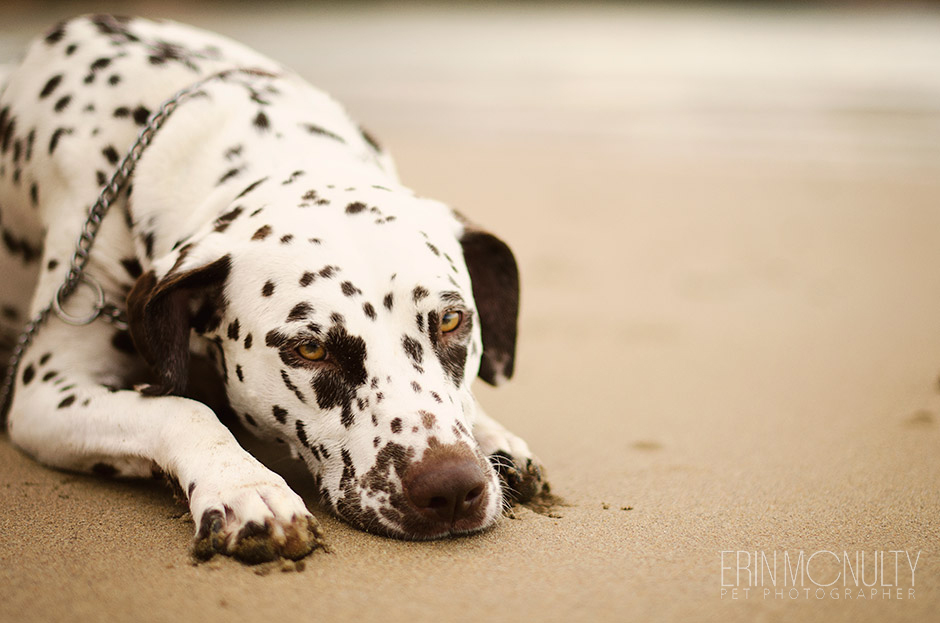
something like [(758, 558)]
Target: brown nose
[(446, 488)]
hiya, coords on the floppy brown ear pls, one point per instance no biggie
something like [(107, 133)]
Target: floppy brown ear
[(160, 320), (495, 279)]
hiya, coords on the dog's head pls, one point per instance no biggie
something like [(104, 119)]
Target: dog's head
[(349, 328)]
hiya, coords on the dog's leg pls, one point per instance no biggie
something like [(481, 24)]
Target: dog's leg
[(65, 416), (520, 472)]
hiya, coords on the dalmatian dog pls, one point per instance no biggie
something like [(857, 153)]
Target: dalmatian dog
[(261, 228)]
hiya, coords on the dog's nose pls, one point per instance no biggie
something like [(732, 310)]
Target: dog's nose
[(446, 488)]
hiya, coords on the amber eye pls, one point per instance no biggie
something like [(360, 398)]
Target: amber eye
[(450, 321), (312, 351)]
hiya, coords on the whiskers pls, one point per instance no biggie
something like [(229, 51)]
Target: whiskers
[(503, 464)]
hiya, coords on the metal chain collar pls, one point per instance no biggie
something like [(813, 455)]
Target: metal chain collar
[(76, 275)]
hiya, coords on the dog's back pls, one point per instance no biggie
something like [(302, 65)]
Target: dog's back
[(18, 275), (68, 112)]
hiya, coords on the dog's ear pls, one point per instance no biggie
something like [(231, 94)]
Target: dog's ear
[(160, 317), (495, 279)]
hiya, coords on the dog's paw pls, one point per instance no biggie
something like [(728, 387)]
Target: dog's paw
[(254, 524), (522, 477), (521, 474)]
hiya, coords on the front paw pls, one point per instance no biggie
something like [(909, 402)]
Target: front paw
[(254, 524), (521, 474), (522, 477)]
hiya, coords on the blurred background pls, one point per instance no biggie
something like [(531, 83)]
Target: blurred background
[(826, 83)]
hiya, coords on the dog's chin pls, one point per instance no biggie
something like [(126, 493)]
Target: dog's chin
[(429, 530)]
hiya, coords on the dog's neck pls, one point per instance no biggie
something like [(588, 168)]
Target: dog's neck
[(193, 171)]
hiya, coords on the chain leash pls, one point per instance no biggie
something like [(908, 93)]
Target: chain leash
[(76, 275)]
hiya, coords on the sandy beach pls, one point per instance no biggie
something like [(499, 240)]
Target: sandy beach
[(728, 229)]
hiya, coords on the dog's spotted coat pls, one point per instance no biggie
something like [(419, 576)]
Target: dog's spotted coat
[(347, 316)]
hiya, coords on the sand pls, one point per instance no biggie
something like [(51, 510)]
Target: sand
[(728, 226)]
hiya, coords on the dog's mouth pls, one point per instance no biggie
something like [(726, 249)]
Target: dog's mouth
[(451, 491)]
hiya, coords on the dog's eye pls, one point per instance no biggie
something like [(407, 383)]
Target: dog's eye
[(450, 321), (312, 351)]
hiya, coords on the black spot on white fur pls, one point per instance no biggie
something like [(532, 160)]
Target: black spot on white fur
[(299, 312), (50, 86)]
